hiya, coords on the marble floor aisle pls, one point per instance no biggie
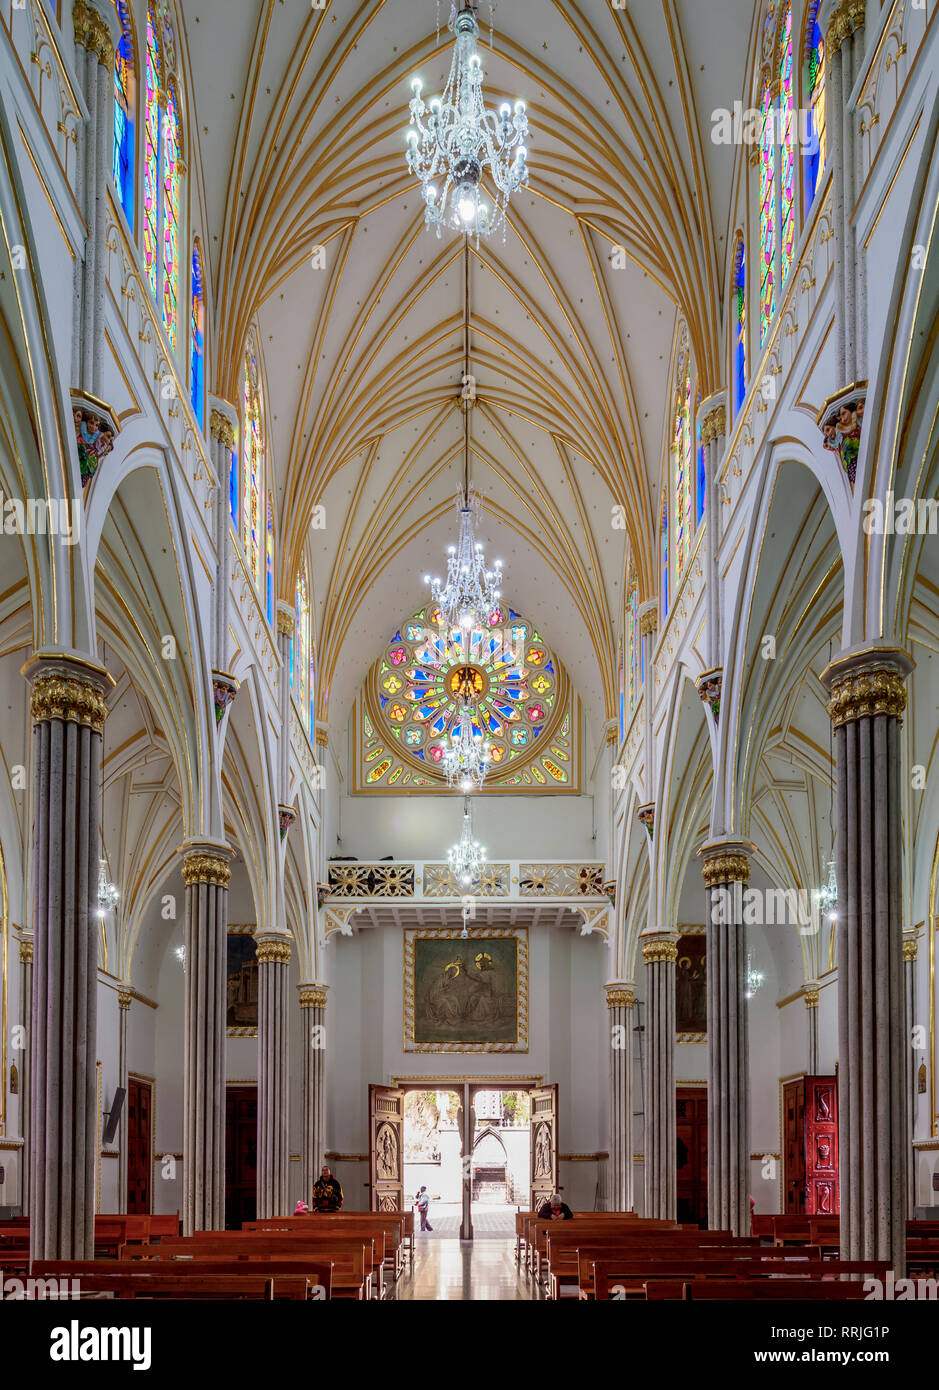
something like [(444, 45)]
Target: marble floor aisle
[(481, 1271)]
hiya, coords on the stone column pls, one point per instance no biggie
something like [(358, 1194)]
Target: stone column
[(68, 710), (867, 697), (312, 1085), (620, 999), (273, 1078), (96, 32), (909, 951), (726, 870), (843, 22), (206, 874), (659, 952), (22, 1061), (811, 1011), (124, 998)]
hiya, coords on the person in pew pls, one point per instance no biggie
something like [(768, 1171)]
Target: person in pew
[(554, 1209), (327, 1192)]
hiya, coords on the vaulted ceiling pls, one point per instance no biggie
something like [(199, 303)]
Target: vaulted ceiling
[(299, 122)]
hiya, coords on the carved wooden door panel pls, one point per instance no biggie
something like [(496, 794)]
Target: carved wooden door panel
[(794, 1146), (544, 1144), (691, 1139), (386, 1148), (821, 1146), (139, 1146)]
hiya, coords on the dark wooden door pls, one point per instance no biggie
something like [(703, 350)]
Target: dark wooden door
[(386, 1148), (821, 1146), (691, 1140), (139, 1146), (794, 1147), (241, 1155), (544, 1144)]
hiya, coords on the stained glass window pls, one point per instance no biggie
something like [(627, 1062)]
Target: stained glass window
[(302, 684), (197, 339), (633, 644), (269, 560), (701, 480), (622, 692), (233, 490), (171, 219), (523, 705), (151, 168), (252, 468), (682, 456), (767, 214), (739, 328), (788, 135), (124, 98), (815, 164), (664, 559)]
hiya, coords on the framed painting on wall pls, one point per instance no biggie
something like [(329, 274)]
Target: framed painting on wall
[(691, 986), (241, 983), (466, 994)]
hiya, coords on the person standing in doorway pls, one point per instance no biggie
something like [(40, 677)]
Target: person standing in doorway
[(422, 1202)]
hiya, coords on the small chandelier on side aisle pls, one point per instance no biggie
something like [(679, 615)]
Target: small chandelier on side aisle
[(466, 859), (470, 596), (462, 140)]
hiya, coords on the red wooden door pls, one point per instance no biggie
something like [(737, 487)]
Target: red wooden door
[(544, 1144), (691, 1140), (821, 1146), (139, 1146), (386, 1148), (794, 1146), (241, 1155)]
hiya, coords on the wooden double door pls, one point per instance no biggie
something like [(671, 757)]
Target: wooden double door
[(810, 1146), (241, 1155)]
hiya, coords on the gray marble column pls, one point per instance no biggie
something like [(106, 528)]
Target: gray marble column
[(124, 999), (68, 710), (206, 874), (96, 29), (22, 1061), (273, 1078), (867, 697), (726, 870), (312, 1085), (659, 952), (909, 951), (620, 999)]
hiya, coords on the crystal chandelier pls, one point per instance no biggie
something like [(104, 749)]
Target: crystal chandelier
[(467, 858), (755, 979), (827, 897), (108, 894), (471, 593), (470, 596), (467, 759), (462, 140)]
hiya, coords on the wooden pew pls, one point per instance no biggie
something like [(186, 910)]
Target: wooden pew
[(626, 1278), (388, 1226), (318, 1278), (556, 1249), (355, 1270), (762, 1290)]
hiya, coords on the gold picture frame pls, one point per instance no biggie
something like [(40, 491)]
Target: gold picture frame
[(460, 997)]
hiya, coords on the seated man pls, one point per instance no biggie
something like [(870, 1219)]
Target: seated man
[(554, 1209), (327, 1194)]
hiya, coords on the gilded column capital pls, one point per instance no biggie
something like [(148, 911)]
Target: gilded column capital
[(69, 689), (93, 33), (620, 998), (273, 949), (222, 429), (321, 738), (725, 861), (846, 18), (910, 949), (810, 994), (206, 864), (714, 425), (286, 620), (865, 683), (124, 997), (648, 619), (659, 947), (26, 952), (312, 996)]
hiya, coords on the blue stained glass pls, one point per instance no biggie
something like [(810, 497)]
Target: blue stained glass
[(699, 510), (439, 725), (233, 491)]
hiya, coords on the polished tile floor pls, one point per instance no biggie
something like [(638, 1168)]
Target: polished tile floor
[(482, 1270)]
